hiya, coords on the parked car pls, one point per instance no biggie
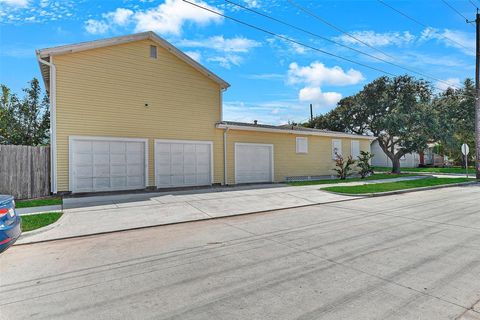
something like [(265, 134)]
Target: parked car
[(10, 222)]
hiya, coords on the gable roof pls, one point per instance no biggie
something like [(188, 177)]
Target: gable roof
[(46, 53), (288, 129)]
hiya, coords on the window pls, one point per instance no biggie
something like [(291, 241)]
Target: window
[(153, 52), (336, 148), (302, 145), (355, 149)]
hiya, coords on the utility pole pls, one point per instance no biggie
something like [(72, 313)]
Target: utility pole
[(311, 113), (477, 97)]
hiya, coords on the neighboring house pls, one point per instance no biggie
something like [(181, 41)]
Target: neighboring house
[(409, 160), (134, 112)]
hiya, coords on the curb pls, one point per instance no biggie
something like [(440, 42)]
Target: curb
[(389, 193), (53, 225), (42, 229)]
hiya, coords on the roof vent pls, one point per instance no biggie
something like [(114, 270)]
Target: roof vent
[(255, 122)]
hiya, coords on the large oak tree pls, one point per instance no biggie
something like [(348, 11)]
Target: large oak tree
[(395, 110)]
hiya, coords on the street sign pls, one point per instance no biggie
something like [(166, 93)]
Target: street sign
[(466, 151)]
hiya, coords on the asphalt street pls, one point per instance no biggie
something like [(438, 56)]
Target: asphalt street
[(410, 256)]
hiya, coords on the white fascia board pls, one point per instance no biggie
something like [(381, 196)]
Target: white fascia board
[(296, 132)]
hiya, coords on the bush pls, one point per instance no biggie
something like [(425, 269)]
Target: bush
[(364, 164), (343, 168)]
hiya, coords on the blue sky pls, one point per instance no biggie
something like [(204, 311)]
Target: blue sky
[(272, 80)]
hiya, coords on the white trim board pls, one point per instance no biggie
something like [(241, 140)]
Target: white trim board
[(295, 132), (97, 138), (255, 144)]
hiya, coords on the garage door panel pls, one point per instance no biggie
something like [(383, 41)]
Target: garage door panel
[(118, 170), (103, 165), (253, 163), (85, 171), (100, 147), (83, 159), (118, 147), (134, 170), (182, 163), (83, 146)]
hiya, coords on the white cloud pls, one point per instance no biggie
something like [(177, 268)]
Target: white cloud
[(219, 43), (15, 3), (252, 3), (313, 76), (227, 61), (317, 74), (120, 16), (96, 27), (451, 38), (167, 18), (448, 83), (378, 39), (227, 51), (195, 55), (315, 95)]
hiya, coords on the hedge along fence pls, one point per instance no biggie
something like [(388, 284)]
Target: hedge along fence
[(25, 171)]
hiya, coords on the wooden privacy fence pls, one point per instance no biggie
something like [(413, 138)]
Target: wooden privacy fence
[(24, 171)]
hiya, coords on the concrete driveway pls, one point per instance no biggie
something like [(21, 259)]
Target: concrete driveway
[(106, 213), (410, 256), (92, 215)]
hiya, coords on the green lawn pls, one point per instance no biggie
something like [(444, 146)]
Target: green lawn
[(393, 186), (38, 202), (471, 170), (35, 221), (377, 176)]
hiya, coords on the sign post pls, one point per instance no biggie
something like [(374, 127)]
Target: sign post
[(465, 152)]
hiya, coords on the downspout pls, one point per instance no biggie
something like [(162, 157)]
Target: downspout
[(53, 121), (225, 168)]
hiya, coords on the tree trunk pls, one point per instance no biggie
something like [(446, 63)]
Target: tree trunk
[(396, 165)]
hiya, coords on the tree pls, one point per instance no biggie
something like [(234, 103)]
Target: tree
[(455, 111), (25, 121), (395, 110)]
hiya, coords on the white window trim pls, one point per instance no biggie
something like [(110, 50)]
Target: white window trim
[(333, 145), (351, 149), (297, 139), (182, 141), (71, 139), (256, 144)]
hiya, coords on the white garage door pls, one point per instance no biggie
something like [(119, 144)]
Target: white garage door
[(106, 164), (253, 163), (183, 163)]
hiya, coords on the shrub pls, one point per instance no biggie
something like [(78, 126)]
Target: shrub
[(343, 167), (364, 164)]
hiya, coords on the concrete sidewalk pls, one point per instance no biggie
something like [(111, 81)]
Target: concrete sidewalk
[(107, 213)]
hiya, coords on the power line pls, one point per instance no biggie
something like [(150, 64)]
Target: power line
[(455, 10), (473, 4), (421, 24), (290, 39), (312, 14), (337, 43)]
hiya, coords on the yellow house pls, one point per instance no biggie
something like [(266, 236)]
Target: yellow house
[(134, 112)]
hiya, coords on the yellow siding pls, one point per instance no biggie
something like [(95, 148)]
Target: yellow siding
[(318, 160), (103, 92)]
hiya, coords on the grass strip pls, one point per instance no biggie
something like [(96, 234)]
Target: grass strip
[(38, 202), (378, 176), (394, 186), (35, 221)]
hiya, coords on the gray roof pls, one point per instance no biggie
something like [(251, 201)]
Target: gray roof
[(290, 128)]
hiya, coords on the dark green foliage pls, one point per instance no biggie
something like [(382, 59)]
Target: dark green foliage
[(24, 121), (364, 164)]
